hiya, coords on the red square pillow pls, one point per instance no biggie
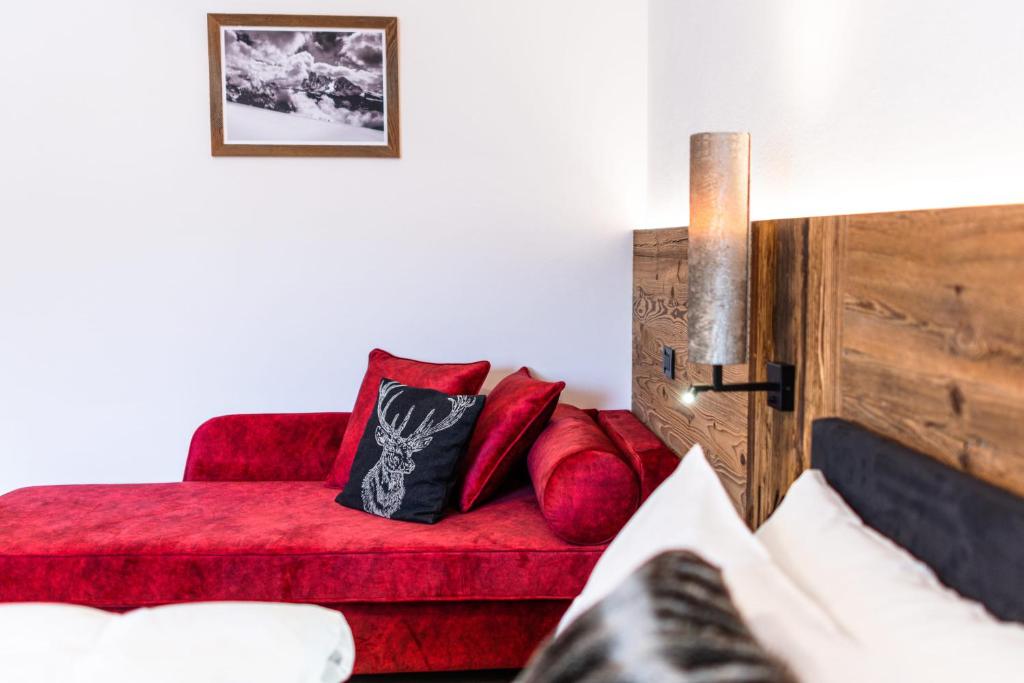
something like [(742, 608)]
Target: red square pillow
[(449, 378), (516, 411)]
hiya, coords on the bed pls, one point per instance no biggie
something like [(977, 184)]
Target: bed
[(969, 532), (881, 564)]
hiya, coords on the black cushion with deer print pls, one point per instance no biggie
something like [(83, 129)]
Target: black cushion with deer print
[(405, 466)]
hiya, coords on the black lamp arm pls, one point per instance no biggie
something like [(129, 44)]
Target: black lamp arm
[(718, 384), (780, 385)]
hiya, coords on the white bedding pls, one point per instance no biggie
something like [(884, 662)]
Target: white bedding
[(691, 510), (214, 642), (914, 627)]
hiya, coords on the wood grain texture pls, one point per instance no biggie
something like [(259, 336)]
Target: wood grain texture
[(719, 421), (909, 323), (933, 335), (218, 148), (825, 262), (778, 310)]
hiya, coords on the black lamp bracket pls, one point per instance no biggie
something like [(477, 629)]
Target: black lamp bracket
[(779, 387)]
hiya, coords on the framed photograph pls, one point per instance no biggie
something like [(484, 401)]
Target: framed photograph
[(292, 85)]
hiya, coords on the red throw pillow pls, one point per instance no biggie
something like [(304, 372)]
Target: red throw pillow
[(517, 409), (586, 490), (449, 378)]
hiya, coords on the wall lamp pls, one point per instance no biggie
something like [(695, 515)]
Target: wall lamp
[(779, 386), (718, 263)]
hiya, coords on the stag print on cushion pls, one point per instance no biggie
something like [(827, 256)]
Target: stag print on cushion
[(671, 621), (405, 464), (383, 486)]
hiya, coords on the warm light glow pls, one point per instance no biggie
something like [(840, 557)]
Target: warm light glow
[(689, 397), (719, 242)]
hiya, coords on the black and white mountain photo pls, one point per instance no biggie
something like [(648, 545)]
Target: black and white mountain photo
[(316, 87)]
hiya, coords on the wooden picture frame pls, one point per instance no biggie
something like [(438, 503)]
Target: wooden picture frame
[(281, 100)]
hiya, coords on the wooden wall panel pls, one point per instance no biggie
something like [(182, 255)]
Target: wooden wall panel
[(718, 423), (795, 295), (910, 323), (933, 335), (777, 334)]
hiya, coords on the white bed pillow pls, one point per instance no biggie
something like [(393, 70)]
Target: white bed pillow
[(883, 596), (691, 510), (214, 642)]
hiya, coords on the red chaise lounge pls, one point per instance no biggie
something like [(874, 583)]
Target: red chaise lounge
[(253, 521)]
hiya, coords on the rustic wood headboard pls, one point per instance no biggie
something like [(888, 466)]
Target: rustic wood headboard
[(909, 323)]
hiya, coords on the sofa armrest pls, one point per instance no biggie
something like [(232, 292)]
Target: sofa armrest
[(651, 459), (273, 447)]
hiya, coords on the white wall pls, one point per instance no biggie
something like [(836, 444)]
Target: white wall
[(145, 286), (853, 105)]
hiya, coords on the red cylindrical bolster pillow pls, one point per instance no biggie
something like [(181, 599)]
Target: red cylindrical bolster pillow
[(586, 490)]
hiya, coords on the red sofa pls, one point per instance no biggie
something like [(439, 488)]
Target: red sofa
[(252, 520)]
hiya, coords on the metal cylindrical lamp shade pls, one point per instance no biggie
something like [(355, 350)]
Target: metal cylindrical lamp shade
[(719, 247)]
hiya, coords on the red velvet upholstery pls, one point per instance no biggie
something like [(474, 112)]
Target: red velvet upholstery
[(284, 447), (516, 411), (477, 590), (449, 636), (649, 457), (146, 544), (587, 491), (451, 378)]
